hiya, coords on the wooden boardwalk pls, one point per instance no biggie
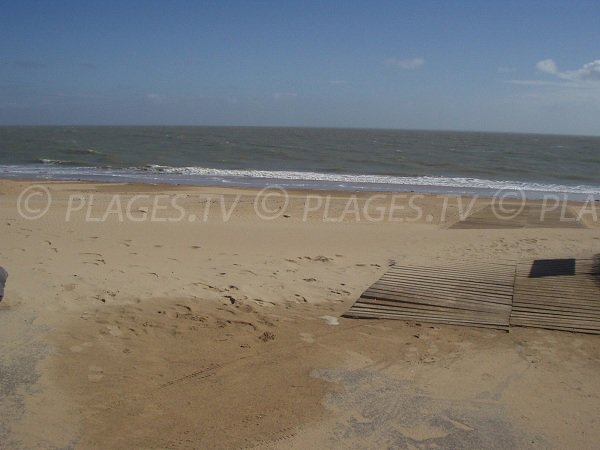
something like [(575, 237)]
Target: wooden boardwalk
[(559, 294), (475, 294), (519, 216)]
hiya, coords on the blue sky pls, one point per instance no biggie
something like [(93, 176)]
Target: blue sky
[(508, 66)]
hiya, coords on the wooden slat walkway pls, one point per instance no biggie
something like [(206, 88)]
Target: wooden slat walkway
[(558, 294), (475, 294), (530, 216)]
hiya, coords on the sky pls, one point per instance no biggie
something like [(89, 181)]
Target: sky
[(515, 66)]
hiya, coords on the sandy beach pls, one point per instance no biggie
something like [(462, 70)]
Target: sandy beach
[(195, 317)]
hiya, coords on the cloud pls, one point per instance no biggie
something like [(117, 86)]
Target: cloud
[(590, 71), (587, 72), (579, 87), (538, 83), (586, 78), (405, 64), (547, 66)]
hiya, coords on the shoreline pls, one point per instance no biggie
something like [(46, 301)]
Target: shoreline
[(358, 188)]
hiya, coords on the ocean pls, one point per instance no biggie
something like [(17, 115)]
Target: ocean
[(310, 158)]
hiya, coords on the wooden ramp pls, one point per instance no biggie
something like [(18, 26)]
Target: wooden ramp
[(475, 294), (559, 294), (519, 216)]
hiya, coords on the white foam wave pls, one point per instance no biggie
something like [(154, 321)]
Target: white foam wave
[(316, 180), (453, 182)]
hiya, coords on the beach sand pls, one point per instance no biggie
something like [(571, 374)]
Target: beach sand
[(210, 318)]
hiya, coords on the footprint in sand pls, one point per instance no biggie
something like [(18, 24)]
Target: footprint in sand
[(330, 320), (96, 374), (261, 302), (301, 298), (307, 337), (114, 330), (80, 348)]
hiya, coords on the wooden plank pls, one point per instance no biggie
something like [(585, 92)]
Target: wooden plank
[(500, 319), (379, 316), (436, 291), (573, 284), (427, 292), (563, 280), (553, 326), (543, 304), (568, 280), (475, 275), (565, 297), (457, 273), (442, 280), (507, 265), (433, 320), (464, 293), (448, 292), (559, 282), (566, 313), (426, 315), (546, 314), (569, 301), (581, 290), (558, 319), (555, 301), (506, 281), (432, 296), (443, 305), (549, 322), (433, 291), (483, 269), (467, 285), (453, 277), (480, 266)]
